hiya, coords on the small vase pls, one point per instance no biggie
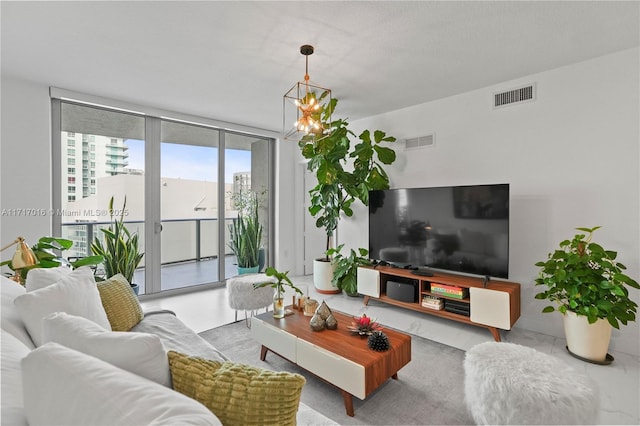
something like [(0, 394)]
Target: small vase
[(278, 304)]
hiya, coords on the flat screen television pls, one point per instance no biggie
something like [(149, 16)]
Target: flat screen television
[(452, 228)]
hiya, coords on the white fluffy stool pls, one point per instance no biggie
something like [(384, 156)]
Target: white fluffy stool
[(242, 295), (507, 383)]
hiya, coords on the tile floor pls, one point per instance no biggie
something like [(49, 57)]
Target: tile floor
[(619, 383)]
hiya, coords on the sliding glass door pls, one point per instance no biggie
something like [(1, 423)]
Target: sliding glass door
[(181, 180), (189, 205)]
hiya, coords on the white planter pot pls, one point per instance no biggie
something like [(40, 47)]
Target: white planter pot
[(322, 276), (590, 341)]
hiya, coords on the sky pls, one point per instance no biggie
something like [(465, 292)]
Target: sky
[(190, 161)]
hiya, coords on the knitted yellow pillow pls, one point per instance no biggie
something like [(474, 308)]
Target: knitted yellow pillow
[(120, 303), (238, 394)]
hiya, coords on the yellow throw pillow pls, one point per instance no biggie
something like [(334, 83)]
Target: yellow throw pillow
[(238, 394), (120, 303)]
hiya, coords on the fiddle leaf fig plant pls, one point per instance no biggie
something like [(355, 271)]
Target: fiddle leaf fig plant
[(340, 186), (581, 276)]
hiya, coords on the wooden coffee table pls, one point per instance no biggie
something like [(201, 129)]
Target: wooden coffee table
[(337, 356)]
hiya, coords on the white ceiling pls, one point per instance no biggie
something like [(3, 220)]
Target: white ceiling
[(234, 61)]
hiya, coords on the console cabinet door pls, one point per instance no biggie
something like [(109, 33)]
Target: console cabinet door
[(490, 307), (368, 282)]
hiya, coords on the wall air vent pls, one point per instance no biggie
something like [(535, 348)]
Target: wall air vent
[(420, 142), (510, 97)]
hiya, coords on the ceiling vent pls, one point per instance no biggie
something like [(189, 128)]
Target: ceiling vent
[(420, 142), (515, 96)]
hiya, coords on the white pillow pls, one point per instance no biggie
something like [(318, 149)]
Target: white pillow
[(76, 294), (13, 351), (38, 278), (67, 387), (139, 353), (11, 320)]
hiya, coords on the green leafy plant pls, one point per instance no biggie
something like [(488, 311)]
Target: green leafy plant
[(345, 275), (120, 249), (328, 153), (283, 281), (246, 236), (45, 251), (585, 278)]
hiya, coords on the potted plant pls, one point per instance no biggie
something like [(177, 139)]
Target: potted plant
[(346, 268), (338, 188), (246, 239), (245, 202), (45, 252), (282, 280), (120, 249), (589, 287)]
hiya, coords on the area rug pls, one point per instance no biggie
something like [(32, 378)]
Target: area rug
[(429, 390)]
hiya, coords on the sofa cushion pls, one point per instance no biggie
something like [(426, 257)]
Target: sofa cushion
[(38, 278), (238, 394), (13, 350), (176, 336), (139, 353), (120, 303), (11, 319), (66, 387), (76, 294)]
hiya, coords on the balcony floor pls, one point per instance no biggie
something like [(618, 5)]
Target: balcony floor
[(187, 274)]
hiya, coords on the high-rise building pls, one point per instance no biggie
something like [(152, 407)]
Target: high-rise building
[(88, 157)]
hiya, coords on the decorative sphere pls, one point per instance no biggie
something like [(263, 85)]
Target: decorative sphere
[(378, 341)]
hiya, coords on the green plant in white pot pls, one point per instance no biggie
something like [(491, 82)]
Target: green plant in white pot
[(590, 289), (345, 275), (346, 173)]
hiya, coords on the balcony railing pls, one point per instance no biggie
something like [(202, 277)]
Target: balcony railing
[(182, 239), (184, 242)]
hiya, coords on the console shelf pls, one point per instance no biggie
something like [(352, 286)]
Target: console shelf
[(495, 306)]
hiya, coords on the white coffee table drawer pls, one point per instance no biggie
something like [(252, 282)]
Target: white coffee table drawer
[(277, 340), (338, 371)]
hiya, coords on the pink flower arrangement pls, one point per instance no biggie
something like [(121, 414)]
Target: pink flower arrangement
[(364, 325)]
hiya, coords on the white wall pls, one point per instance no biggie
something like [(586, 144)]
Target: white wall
[(25, 159), (571, 157)]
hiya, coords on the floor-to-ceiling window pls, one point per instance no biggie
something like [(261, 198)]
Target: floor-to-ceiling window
[(180, 179), (101, 155)]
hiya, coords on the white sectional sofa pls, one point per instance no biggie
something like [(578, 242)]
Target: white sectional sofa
[(52, 384)]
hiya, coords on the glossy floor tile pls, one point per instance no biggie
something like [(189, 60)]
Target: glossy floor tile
[(619, 383)]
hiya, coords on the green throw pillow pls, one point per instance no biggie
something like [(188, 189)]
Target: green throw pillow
[(238, 394), (120, 303)]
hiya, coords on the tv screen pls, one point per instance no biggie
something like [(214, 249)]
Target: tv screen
[(454, 228)]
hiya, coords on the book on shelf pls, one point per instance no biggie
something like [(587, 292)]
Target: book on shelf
[(432, 302), (450, 291)]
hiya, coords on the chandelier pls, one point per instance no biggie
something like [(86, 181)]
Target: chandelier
[(304, 110)]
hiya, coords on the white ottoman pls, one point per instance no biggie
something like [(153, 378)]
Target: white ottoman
[(507, 383), (242, 295)]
